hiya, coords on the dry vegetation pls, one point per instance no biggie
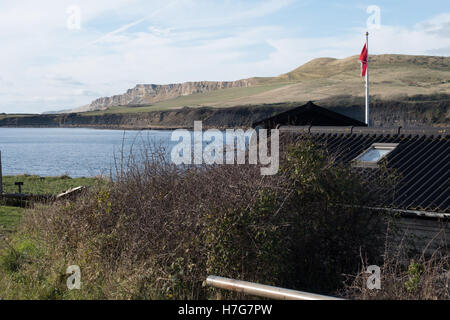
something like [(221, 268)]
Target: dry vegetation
[(157, 231), (326, 78), (423, 277)]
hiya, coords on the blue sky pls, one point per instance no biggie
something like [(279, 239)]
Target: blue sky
[(48, 63)]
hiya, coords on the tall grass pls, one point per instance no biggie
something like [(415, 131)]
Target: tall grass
[(405, 277)]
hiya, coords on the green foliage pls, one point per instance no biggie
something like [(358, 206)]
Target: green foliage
[(15, 256), (330, 223), (245, 243), (9, 219), (415, 271)]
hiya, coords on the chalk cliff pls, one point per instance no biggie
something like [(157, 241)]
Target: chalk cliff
[(145, 94)]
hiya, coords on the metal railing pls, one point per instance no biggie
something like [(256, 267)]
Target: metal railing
[(263, 291)]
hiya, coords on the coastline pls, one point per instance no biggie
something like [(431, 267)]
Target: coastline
[(384, 114), (105, 127), (217, 118)]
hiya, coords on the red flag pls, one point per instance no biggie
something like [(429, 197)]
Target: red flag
[(363, 60)]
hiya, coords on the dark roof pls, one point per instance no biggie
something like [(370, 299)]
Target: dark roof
[(308, 114), (421, 159)]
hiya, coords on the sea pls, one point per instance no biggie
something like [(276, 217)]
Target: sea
[(76, 152), (82, 152)]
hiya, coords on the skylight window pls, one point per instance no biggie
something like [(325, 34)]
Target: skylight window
[(372, 156)]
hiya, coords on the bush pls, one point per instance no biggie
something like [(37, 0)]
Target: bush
[(331, 225), (156, 231)]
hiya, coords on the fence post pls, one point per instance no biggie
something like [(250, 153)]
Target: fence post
[(1, 175)]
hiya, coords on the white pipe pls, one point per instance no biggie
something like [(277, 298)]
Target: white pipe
[(263, 291), (367, 83)]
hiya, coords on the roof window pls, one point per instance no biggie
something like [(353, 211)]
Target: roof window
[(371, 157)]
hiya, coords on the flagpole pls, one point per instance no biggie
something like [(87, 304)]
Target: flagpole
[(367, 83)]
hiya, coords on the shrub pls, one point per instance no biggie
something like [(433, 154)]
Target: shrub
[(156, 231)]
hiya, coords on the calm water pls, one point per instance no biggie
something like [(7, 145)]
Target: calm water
[(76, 152)]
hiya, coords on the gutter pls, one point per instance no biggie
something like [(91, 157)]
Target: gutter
[(409, 213)]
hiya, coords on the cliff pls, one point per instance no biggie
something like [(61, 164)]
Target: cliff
[(169, 119), (423, 111), (144, 94)]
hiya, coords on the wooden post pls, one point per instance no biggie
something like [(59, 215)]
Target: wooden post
[(1, 175), (19, 184)]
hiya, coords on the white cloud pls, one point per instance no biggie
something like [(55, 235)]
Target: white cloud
[(437, 25), (49, 67)]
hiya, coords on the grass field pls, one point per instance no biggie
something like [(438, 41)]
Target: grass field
[(10, 216), (45, 185), (9, 219)]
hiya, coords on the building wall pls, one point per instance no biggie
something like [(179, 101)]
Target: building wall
[(426, 235)]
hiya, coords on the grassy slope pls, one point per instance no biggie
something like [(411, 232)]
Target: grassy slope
[(47, 185), (196, 100), (9, 219), (391, 76)]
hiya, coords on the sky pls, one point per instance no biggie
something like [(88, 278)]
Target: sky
[(62, 54)]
